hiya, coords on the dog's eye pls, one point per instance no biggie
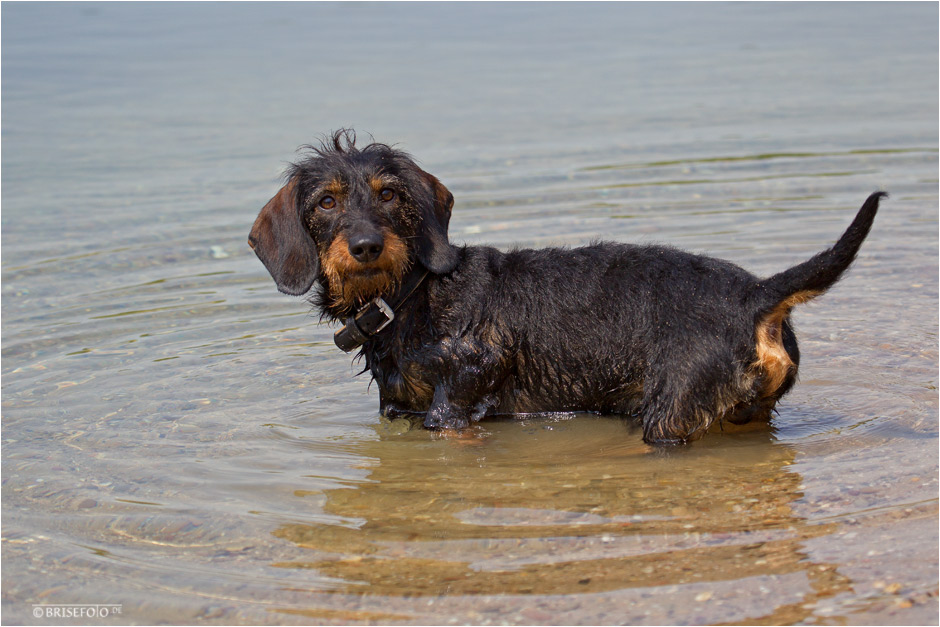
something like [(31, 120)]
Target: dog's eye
[(387, 194), (327, 202)]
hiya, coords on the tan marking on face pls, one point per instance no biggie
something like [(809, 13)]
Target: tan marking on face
[(352, 283), (378, 183), (773, 361), (333, 187)]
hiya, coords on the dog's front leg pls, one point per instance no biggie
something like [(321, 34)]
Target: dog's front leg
[(466, 385)]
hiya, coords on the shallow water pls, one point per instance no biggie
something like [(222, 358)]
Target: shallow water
[(182, 441)]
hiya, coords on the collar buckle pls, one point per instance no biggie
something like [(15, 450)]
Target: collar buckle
[(367, 322), (384, 309), (375, 315)]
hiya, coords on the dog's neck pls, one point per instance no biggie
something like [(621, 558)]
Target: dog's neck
[(377, 314)]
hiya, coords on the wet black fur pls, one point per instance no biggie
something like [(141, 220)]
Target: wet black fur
[(651, 332)]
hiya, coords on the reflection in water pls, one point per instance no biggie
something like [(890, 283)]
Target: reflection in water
[(567, 506)]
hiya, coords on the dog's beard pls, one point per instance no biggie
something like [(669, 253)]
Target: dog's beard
[(353, 291), (351, 284)]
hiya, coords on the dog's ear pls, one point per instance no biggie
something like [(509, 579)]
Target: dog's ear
[(435, 251), (282, 243)]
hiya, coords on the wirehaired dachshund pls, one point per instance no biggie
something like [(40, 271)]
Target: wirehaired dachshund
[(457, 333)]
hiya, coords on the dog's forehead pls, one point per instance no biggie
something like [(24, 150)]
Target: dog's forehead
[(372, 163)]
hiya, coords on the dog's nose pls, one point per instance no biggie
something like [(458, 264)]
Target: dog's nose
[(366, 248)]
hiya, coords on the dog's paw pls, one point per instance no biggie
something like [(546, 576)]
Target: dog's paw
[(481, 409), (446, 416)]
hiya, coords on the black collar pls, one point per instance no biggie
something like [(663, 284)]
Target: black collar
[(377, 314)]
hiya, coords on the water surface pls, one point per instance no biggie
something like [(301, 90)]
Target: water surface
[(182, 440)]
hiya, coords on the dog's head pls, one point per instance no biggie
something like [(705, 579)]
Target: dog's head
[(357, 220)]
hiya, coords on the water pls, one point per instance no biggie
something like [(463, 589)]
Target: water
[(184, 441)]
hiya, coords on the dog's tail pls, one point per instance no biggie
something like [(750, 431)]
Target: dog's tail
[(773, 298), (812, 278)]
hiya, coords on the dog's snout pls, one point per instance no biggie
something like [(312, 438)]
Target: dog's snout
[(366, 248)]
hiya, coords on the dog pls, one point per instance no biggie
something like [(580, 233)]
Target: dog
[(678, 341)]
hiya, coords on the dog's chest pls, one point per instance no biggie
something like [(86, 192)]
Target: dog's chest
[(401, 377)]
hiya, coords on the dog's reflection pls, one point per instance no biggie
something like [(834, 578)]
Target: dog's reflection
[(564, 505)]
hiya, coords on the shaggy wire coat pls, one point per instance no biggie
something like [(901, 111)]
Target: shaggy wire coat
[(677, 340)]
